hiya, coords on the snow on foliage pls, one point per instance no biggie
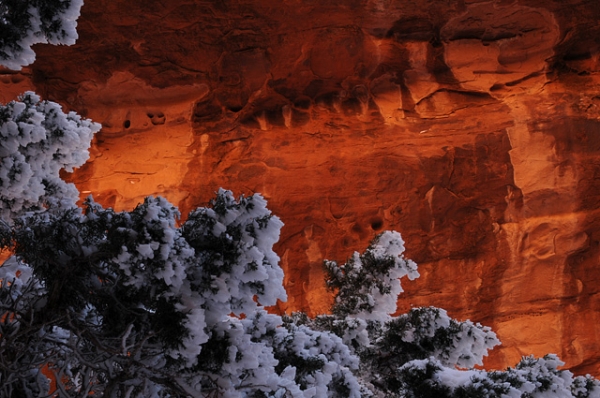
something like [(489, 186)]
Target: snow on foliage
[(368, 285), (461, 344), (134, 298), (143, 290), (132, 304), (531, 378), (37, 140), (24, 23), (234, 241)]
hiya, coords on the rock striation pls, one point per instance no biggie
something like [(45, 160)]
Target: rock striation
[(472, 127)]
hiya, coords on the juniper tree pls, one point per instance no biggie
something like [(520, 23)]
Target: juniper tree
[(129, 304), (424, 353)]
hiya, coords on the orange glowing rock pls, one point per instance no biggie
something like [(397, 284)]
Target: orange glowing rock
[(473, 128)]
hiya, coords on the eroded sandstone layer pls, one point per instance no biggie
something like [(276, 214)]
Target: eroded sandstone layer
[(472, 127)]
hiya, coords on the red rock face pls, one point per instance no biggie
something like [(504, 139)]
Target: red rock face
[(473, 128)]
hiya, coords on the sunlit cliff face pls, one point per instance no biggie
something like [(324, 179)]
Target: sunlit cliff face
[(473, 128)]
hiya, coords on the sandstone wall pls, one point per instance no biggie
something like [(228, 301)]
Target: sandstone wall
[(472, 127)]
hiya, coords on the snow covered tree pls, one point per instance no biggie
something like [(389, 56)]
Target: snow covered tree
[(24, 23), (129, 304), (367, 289), (425, 353)]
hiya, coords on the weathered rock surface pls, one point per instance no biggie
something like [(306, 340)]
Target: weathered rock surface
[(472, 127)]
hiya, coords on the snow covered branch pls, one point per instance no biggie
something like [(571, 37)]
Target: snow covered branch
[(24, 23)]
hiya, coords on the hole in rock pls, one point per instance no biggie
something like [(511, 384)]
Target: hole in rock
[(376, 224), (127, 124), (157, 119)]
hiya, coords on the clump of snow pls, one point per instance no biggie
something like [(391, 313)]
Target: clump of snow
[(37, 140), (532, 377)]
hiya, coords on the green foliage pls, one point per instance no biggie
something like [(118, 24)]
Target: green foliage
[(367, 285), (419, 382)]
